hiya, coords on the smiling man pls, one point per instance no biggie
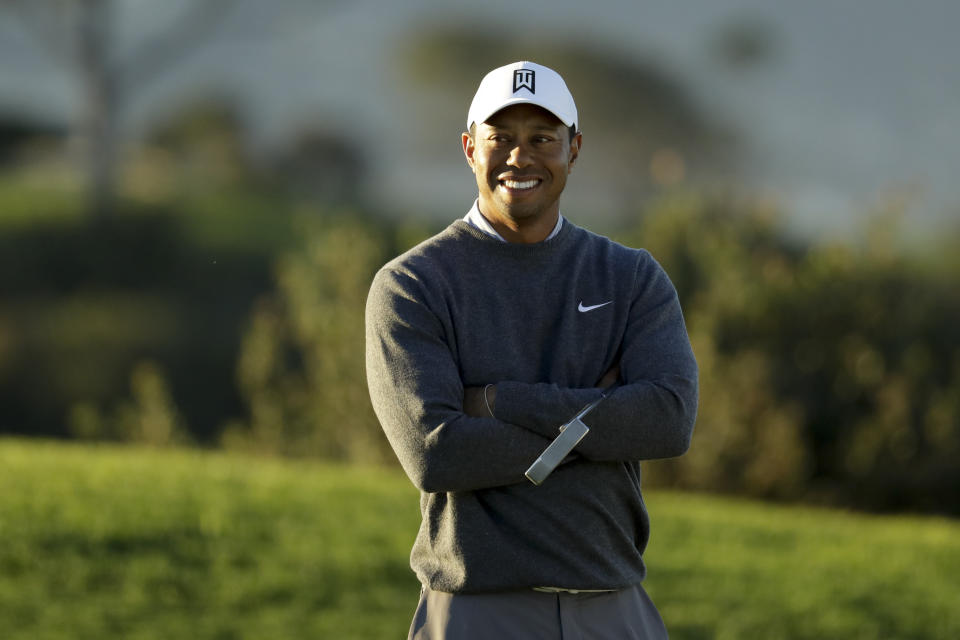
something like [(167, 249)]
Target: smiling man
[(481, 342), (521, 156)]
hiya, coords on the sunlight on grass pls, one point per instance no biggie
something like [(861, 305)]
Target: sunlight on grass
[(722, 568), (120, 542), (29, 198)]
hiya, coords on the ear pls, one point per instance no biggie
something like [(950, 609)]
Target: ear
[(468, 148), (575, 145)]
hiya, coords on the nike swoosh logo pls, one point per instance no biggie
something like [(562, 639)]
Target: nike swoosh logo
[(583, 309)]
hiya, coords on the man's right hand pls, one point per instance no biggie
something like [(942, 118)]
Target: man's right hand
[(476, 401), (610, 377)]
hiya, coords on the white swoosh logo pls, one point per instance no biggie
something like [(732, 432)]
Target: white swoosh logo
[(583, 309)]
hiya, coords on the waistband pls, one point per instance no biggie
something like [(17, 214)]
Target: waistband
[(574, 591)]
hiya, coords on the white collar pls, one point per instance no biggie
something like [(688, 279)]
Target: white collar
[(476, 219)]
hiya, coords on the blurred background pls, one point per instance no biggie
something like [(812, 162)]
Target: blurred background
[(194, 196)]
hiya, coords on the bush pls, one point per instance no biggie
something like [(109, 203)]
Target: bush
[(828, 372), (301, 365), (84, 303)]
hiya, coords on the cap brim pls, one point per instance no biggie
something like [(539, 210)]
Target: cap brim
[(483, 117)]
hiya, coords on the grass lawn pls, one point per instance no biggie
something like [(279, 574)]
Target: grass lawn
[(114, 542), (729, 569)]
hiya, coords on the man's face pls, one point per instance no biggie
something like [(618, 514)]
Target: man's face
[(521, 156)]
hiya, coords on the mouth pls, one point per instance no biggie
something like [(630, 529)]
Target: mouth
[(519, 185)]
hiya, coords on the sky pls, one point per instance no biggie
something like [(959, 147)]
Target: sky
[(858, 101)]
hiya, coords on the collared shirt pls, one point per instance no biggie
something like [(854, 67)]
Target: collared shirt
[(476, 219)]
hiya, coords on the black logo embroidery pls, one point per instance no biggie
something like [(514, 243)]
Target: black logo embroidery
[(524, 78)]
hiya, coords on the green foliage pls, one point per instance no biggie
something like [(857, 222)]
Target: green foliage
[(31, 200), (232, 315), (84, 303), (721, 256), (828, 372), (301, 365), (150, 417), (119, 542), (868, 344)]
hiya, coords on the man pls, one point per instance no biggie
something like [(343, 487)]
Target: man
[(481, 342)]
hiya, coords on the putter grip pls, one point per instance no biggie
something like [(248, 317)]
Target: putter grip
[(570, 435)]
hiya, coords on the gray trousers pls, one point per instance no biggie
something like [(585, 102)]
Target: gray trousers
[(628, 614)]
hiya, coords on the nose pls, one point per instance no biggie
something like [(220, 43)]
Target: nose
[(520, 156)]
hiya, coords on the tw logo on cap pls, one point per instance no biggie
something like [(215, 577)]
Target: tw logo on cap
[(524, 78)]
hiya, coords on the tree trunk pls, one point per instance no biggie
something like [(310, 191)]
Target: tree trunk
[(100, 108)]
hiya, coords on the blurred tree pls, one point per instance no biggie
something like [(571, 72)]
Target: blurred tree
[(749, 439), (828, 372), (743, 42), (648, 128), (868, 344), (197, 148), (301, 365), (81, 305), (323, 166), (149, 417), (20, 135), (80, 34)]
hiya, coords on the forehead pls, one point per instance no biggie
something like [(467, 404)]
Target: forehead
[(529, 115)]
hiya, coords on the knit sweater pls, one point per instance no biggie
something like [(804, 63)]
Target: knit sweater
[(543, 322)]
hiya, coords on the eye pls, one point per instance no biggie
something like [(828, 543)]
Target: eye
[(543, 138)]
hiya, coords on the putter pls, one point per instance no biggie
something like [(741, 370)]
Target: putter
[(571, 433)]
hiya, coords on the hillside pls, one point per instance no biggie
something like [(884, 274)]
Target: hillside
[(119, 542)]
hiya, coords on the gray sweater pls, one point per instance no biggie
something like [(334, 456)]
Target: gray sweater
[(543, 322)]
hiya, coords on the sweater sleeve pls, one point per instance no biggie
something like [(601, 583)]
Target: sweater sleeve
[(651, 415), (417, 395)]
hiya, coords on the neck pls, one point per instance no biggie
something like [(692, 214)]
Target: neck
[(527, 230)]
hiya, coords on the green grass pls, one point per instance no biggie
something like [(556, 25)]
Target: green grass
[(729, 569), (131, 543), (33, 199), (114, 542)]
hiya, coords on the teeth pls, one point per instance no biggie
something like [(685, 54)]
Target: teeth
[(514, 184)]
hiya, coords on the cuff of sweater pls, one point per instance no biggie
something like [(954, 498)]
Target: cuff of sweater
[(540, 407)]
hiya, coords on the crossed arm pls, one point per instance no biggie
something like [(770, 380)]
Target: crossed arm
[(447, 440), (481, 402)]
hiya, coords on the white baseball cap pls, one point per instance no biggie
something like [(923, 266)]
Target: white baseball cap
[(522, 83)]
